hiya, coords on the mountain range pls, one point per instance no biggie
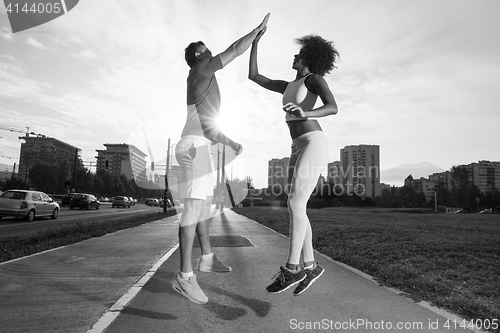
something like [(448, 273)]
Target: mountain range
[(396, 176)]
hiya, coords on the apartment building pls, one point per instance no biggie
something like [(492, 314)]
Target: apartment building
[(46, 150), (174, 176), (123, 159), (278, 172), (485, 175), (360, 168), (334, 173), (423, 185)]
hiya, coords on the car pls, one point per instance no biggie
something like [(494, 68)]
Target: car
[(84, 200), (152, 202), (121, 201), (27, 204), (66, 199)]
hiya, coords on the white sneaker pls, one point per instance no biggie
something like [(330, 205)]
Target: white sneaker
[(190, 289), (213, 265)]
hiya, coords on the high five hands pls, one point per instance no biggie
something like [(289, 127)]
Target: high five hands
[(263, 25)]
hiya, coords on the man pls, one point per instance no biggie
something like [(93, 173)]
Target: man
[(193, 153)]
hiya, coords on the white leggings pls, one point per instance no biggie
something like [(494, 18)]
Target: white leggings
[(308, 159)]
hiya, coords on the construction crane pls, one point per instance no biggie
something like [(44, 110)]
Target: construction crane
[(27, 132)]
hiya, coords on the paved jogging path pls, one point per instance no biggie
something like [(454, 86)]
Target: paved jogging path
[(121, 283)]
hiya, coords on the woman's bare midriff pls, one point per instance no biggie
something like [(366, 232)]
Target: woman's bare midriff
[(299, 127)]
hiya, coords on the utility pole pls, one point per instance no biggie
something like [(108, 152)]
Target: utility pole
[(165, 197), (227, 191), (74, 173)]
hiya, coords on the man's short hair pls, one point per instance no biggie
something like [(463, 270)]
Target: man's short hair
[(189, 53)]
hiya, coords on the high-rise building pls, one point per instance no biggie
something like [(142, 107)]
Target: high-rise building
[(423, 185), (174, 176), (45, 150), (485, 175), (334, 176), (123, 159), (360, 168), (278, 172), (441, 179)]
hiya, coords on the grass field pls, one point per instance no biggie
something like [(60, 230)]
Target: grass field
[(449, 260), (65, 234)]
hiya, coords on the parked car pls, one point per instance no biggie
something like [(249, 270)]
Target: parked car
[(84, 200), (121, 201), (167, 201), (27, 204), (66, 199), (152, 202)]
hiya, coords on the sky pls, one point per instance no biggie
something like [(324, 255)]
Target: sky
[(421, 79)]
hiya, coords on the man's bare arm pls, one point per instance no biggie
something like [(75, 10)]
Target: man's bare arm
[(241, 45)]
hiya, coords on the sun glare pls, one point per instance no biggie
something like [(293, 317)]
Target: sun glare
[(228, 124)]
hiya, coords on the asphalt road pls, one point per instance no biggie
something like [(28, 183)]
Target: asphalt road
[(15, 227)]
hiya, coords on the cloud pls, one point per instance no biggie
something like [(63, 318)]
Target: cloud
[(86, 54), (10, 65), (6, 34), (33, 42), (67, 40)]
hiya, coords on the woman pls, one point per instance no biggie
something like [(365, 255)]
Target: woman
[(309, 155)]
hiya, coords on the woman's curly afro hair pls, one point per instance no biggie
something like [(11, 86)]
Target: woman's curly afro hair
[(318, 54)]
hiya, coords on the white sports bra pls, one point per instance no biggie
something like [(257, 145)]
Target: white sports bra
[(297, 93)]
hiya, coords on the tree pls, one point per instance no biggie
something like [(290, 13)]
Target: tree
[(239, 188), (491, 199), (43, 177), (461, 185), (443, 195), (98, 185), (420, 200), (13, 183), (407, 196), (63, 174), (250, 185), (108, 184), (119, 187)]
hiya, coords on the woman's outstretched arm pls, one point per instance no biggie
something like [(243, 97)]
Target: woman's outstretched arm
[(253, 71)]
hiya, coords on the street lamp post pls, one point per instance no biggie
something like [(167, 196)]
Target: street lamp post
[(217, 189), (223, 178), (435, 201)]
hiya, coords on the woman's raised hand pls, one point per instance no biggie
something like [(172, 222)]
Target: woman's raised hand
[(263, 25)]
